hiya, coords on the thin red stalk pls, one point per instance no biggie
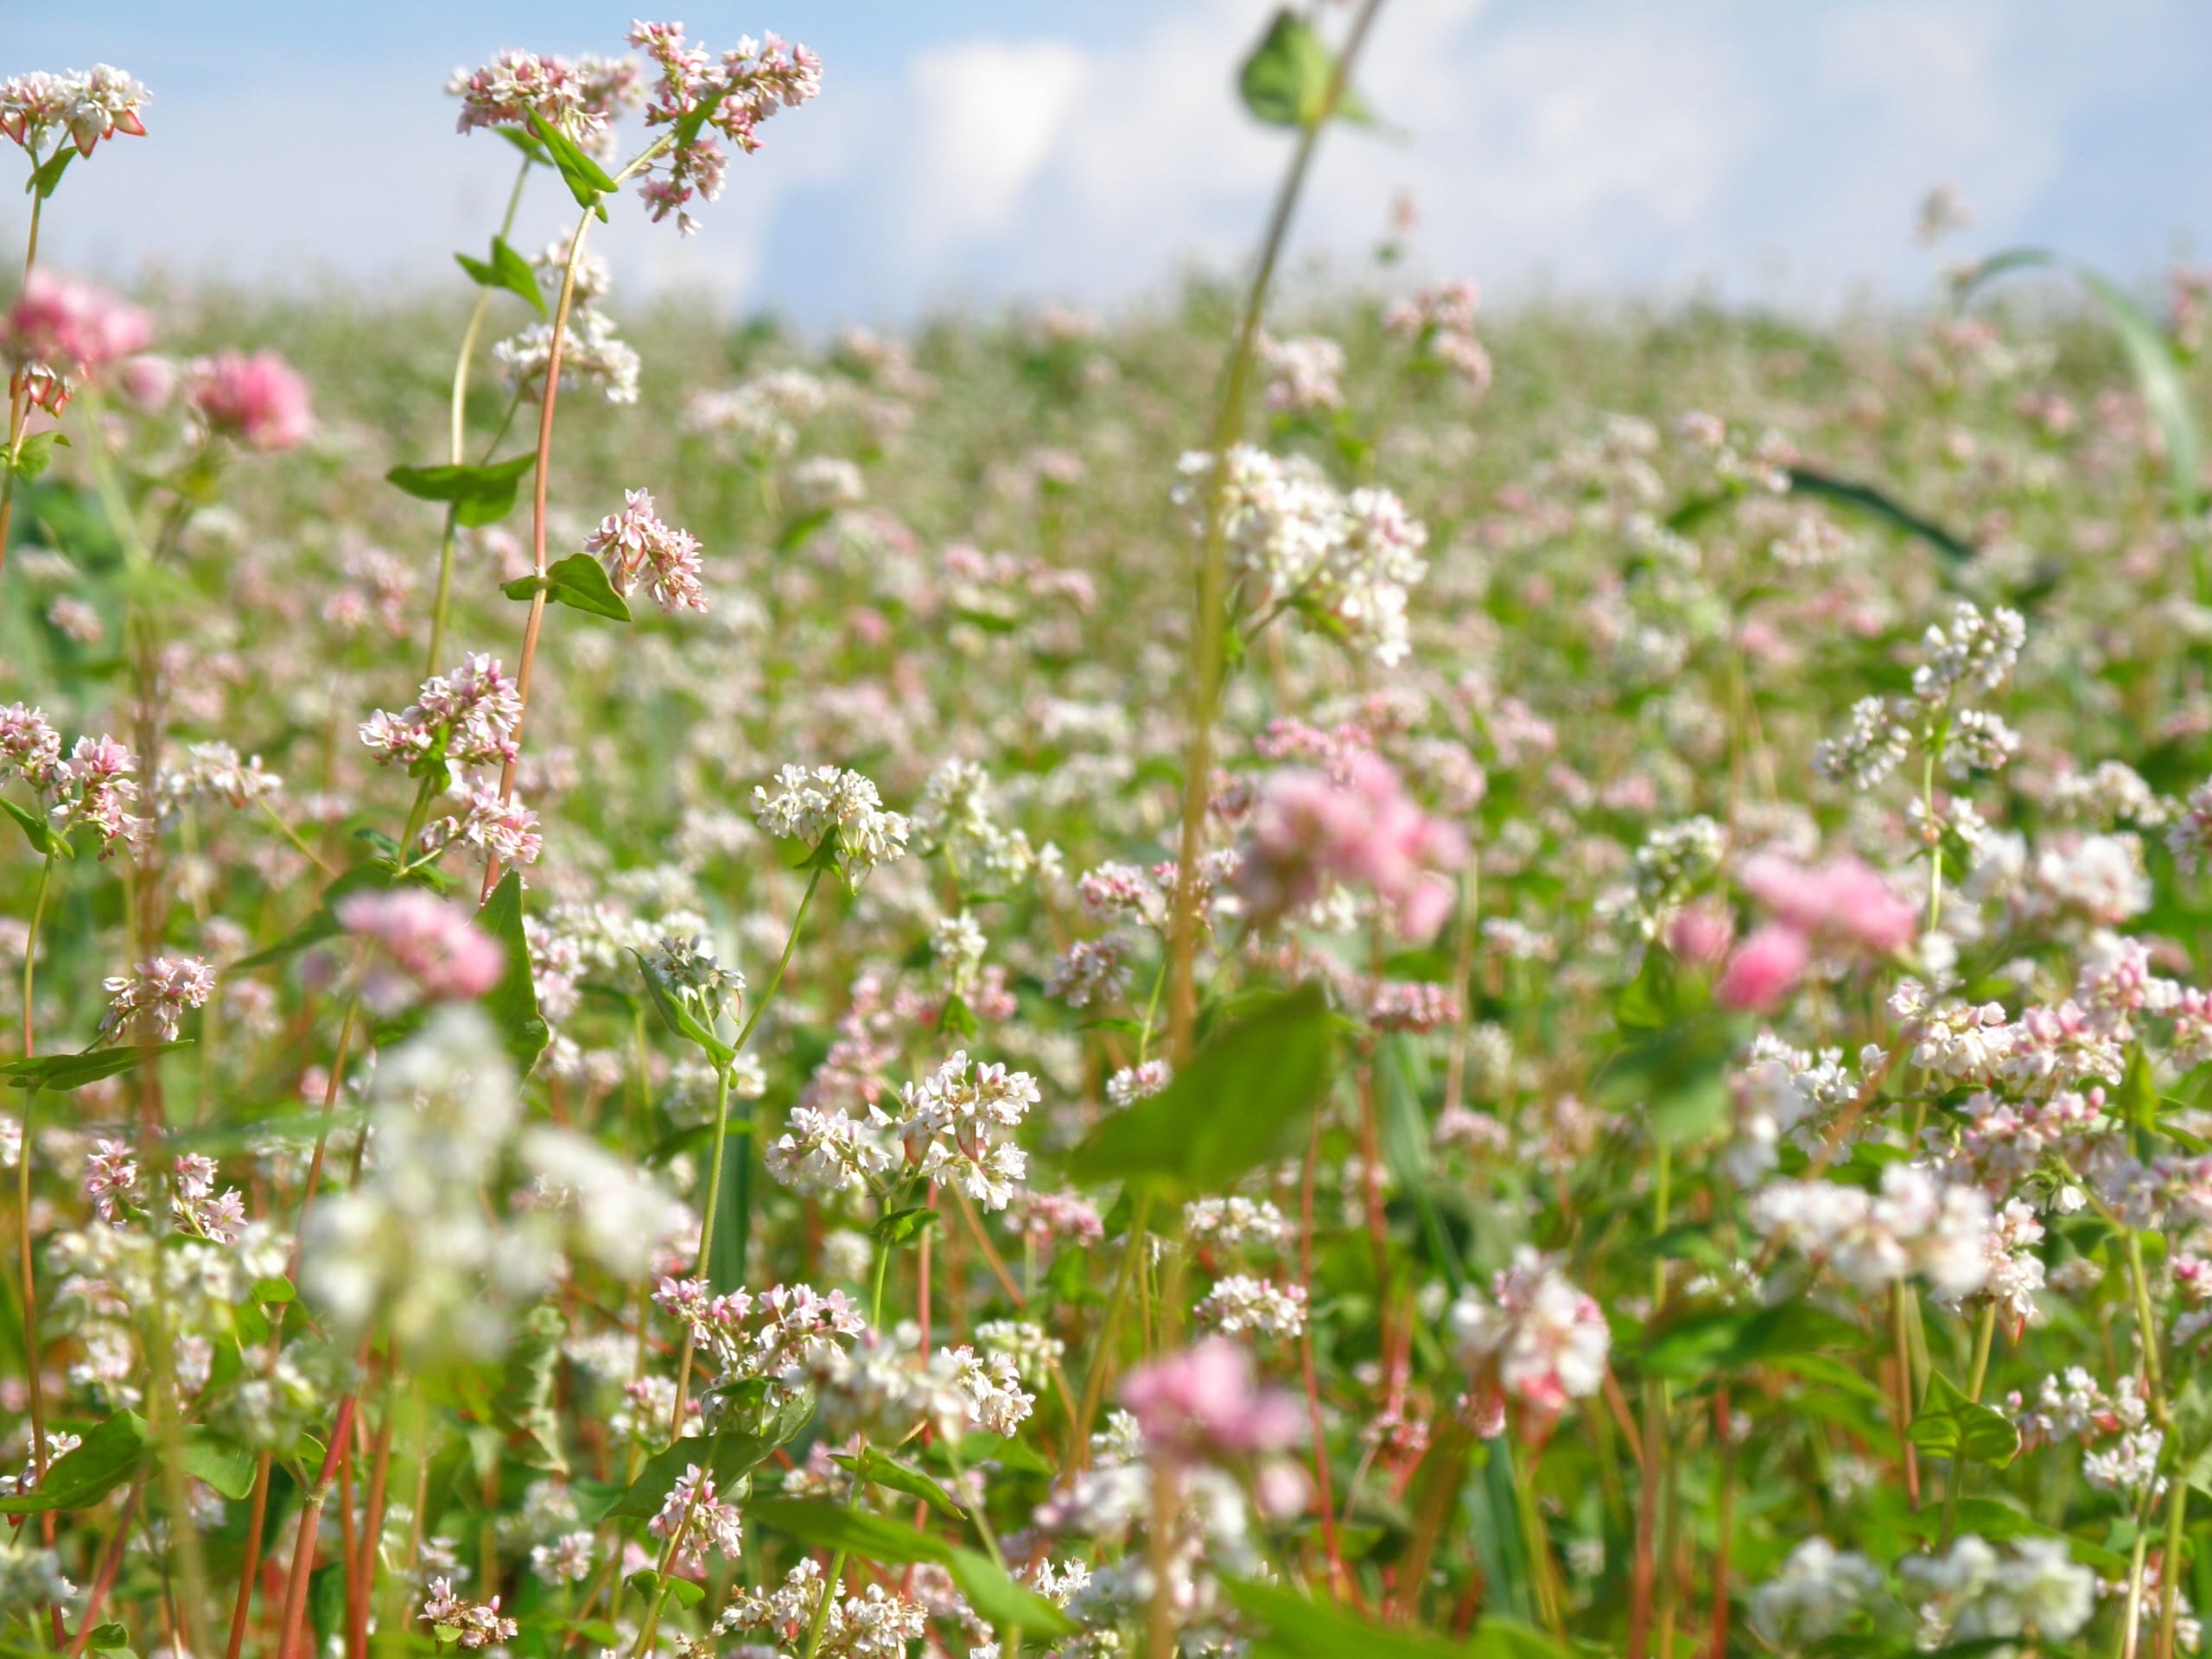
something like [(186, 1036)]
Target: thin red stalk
[(250, 1569), (552, 394), (295, 1588), (90, 1619)]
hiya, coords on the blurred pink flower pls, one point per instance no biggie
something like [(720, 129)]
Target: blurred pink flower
[(1844, 900), (426, 948), (1364, 831), (1765, 969), (72, 328), (1701, 932), (261, 400), (1203, 1401)]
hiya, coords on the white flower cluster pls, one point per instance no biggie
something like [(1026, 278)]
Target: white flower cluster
[(808, 805), (1973, 655), (1917, 1224), (948, 1126), (1294, 539), (1241, 1303)]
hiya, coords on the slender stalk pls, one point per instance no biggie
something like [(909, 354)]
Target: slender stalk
[(295, 1588), (706, 1238), (1953, 1475), (1213, 586), (18, 397), (24, 1254), (548, 397), (1101, 1357), (457, 446)]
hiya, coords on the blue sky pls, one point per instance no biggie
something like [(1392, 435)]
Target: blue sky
[(986, 151)]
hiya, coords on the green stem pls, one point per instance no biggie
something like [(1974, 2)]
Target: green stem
[(1954, 1475), (24, 1187), (1213, 585), (1102, 1358)]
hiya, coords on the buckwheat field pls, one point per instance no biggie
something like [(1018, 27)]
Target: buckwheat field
[(1311, 974)]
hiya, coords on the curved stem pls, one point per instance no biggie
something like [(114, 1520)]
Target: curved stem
[(548, 395), (1206, 639), (18, 398)]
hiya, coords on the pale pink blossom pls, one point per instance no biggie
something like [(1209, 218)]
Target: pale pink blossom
[(1843, 901), (1765, 969), (260, 401), (1202, 1402), (1366, 831), (423, 947)]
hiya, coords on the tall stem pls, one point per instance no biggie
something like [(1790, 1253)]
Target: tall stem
[(456, 447), (19, 401), (1207, 628), (550, 395), (23, 1188)]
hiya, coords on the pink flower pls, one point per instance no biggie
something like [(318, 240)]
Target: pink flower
[(1203, 1401), (425, 948), (1765, 969), (634, 541), (261, 400), (70, 329), (1701, 932), (1844, 900), (1364, 831)]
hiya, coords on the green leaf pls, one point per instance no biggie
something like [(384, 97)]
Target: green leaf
[(903, 1226), (693, 121), (1951, 1426), (2135, 1103), (586, 179), (2158, 378), (1803, 480), (1677, 1075), (525, 1402), (682, 1591), (275, 1291), (676, 1014), (1662, 994), (512, 1003), (47, 179), (106, 1638), (1229, 1110), (990, 1592), (60, 1073), (106, 1457), (505, 269), (750, 1433), (832, 1525), (1007, 1605), (884, 1470), (36, 453), (1711, 1342), (478, 495), (1299, 1629), (44, 840), (1286, 80), (227, 1468), (576, 581)]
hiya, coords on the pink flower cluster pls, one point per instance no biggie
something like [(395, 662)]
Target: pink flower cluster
[(423, 949), (60, 330), (149, 1003), (580, 100), (88, 105), (1844, 904), (1202, 1403), (1442, 322), (634, 541), (259, 401), (750, 83), (1308, 830), (463, 719), (95, 784)]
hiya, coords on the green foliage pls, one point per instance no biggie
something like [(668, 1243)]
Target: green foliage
[(478, 495), (507, 269), (577, 582), (1286, 80), (107, 1456), (1230, 1110), (512, 1003)]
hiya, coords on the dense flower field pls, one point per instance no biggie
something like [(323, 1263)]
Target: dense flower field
[(624, 1036)]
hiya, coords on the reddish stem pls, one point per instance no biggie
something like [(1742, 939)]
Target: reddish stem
[(113, 1559), (296, 1589)]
